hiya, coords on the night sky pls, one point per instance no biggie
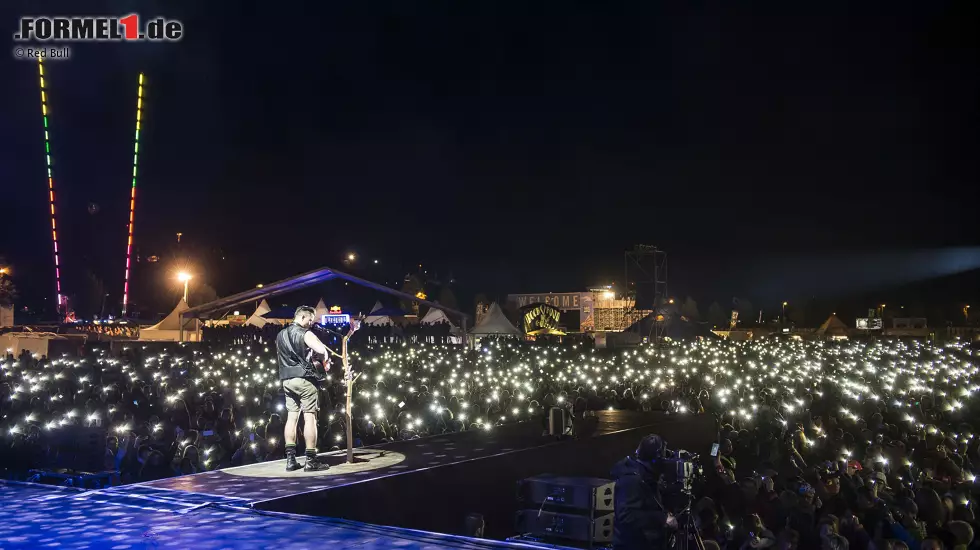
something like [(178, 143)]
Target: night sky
[(520, 146)]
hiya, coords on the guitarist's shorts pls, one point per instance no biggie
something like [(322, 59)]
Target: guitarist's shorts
[(301, 395)]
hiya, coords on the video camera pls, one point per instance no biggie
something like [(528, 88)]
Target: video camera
[(680, 472), (680, 469)]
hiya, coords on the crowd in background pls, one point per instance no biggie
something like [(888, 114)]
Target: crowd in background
[(828, 444), (872, 472), (394, 333), (836, 446), (114, 330)]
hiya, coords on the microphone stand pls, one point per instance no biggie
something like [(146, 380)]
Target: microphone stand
[(349, 381)]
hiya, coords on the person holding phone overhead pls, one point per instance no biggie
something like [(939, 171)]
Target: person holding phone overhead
[(294, 347)]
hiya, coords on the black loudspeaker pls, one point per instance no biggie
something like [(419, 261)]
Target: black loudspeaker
[(588, 494), (583, 528), (570, 508)]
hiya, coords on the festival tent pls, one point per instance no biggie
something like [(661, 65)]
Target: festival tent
[(832, 327), (256, 320), (320, 310), (384, 316), (169, 329), (281, 315), (434, 316), (41, 344), (494, 323)]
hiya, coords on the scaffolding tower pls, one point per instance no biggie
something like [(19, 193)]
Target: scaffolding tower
[(646, 286)]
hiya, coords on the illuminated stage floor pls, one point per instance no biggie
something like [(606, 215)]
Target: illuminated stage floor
[(429, 484), (435, 482), (402, 457), (42, 516)]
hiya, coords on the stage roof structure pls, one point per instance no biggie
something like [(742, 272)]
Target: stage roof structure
[(299, 282)]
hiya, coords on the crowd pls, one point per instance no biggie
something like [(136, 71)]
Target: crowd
[(397, 333), (822, 444), (831, 446), (110, 330)]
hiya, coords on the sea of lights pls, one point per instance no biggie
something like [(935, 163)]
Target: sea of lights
[(408, 390)]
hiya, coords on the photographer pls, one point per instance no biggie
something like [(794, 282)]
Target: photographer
[(641, 521)]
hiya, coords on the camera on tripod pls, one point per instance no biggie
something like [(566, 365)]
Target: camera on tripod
[(657, 480), (680, 470)]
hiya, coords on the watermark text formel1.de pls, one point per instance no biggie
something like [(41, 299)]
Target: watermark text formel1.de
[(97, 29)]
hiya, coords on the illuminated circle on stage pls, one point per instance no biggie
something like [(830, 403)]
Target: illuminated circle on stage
[(365, 461)]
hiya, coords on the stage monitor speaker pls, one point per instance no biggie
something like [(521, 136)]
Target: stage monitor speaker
[(580, 493), (566, 526)]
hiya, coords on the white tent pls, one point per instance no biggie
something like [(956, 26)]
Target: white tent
[(378, 320), (320, 310), (40, 343), (493, 323), (384, 316), (256, 320), (833, 327), (169, 329), (434, 316)]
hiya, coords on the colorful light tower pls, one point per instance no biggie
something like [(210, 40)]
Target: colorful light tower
[(47, 156), (132, 193)]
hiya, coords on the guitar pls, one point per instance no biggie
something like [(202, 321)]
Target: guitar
[(321, 366)]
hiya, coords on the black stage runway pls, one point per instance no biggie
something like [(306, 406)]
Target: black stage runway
[(434, 483)]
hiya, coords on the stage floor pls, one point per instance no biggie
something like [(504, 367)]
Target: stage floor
[(44, 516), (422, 483), (269, 480)]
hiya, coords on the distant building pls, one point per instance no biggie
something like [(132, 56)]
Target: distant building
[(596, 310)]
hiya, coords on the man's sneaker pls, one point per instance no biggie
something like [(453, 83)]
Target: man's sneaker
[(291, 464), (314, 465)]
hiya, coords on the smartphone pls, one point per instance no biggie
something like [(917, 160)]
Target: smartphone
[(207, 433), (714, 449), (136, 403), (251, 437)]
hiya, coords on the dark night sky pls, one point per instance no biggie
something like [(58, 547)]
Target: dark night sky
[(521, 145)]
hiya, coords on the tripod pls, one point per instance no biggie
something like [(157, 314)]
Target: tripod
[(687, 531)]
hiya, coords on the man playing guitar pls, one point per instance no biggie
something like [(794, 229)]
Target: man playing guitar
[(295, 346)]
